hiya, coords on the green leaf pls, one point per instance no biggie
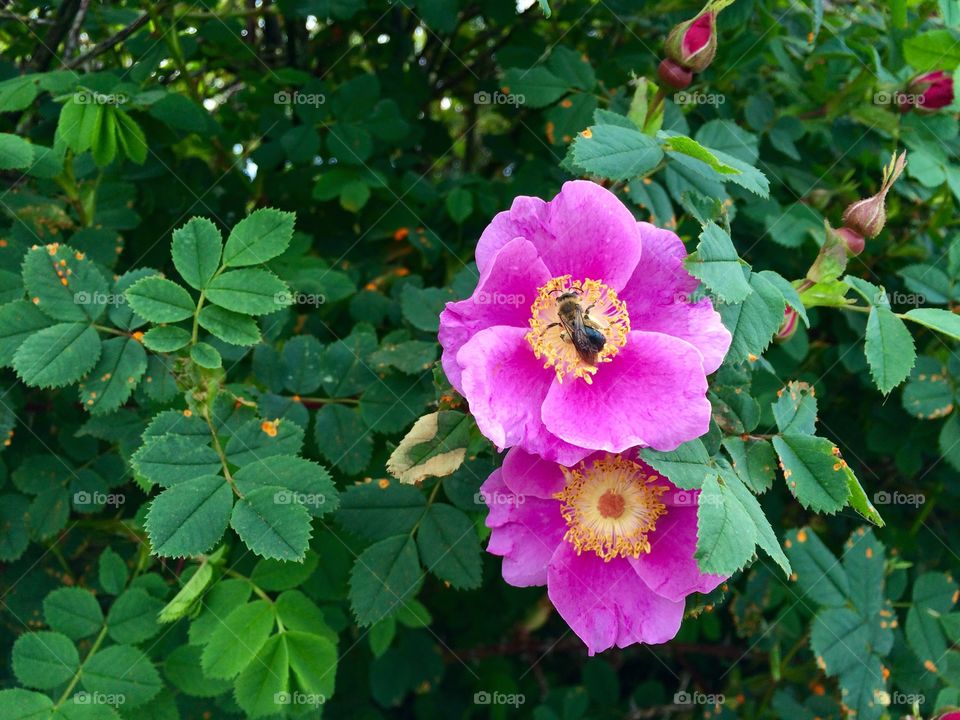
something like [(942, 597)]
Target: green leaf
[(122, 363), (171, 459), (206, 356), (73, 611), (230, 327), (160, 300), (459, 204), (15, 152), (64, 284), (614, 152), (536, 87), (435, 446), (189, 517), (765, 536), (726, 534), (889, 348), (112, 572), (384, 576), (257, 687), (943, 321), (251, 292), (859, 500), (189, 595), (13, 523), (840, 639), (166, 338), (313, 661), (689, 146), (928, 394), (196, 251), (795, 410), (820, 575), (58, 355), (270, 525), (753, 322), (754, 462), (411, 357), (814, 472), (18, 321), (260, 236), (44, 660), (688, 467), (237, 639), (257, 440), (343, 438), (303, 356), (274, 575), (133, 617), (18, 92), (718, 266), (26, 705), (381, 509), (122, 670), (449, 547), (221, 600), (932, 50), (306, 483)]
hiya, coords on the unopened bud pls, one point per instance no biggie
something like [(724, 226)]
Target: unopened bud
[(867, 217), (791, 319), (930, 91), (853, 240), (693, 44), (674, 75)]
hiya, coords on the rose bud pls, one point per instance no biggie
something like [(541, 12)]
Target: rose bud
[(853, 240), (867, 217), (931, 91), (674, 75), (791, 319), (693, 44)]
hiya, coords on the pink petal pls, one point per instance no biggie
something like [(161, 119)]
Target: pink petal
[(505, 385), (606, 603), (656, 297), (504, 294), (585, 231), (525, 531), (698, 34), (653, 393), (528, 474), (669, 569)]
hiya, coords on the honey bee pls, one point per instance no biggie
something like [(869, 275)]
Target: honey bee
[(578, 327)]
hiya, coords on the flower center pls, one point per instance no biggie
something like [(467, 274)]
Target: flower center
[(576, 325), (610, 507)]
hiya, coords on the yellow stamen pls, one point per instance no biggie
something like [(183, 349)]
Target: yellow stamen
[(550, 340), (610, 507)]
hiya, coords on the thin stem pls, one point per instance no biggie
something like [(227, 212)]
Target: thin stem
[(220, 453), (76, 676)]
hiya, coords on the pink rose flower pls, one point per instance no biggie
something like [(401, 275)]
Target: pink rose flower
[(611, 539), (507, 352)]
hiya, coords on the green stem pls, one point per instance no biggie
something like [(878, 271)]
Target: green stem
[(220, 453), (76, 676), (898, 14)]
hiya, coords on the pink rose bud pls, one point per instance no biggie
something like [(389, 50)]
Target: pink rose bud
[(867, 217), (674, 75), (693, 44), (791, 319), (853, 240), (932, 90)]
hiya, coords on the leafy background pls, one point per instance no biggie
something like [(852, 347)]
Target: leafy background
[(195, 511)]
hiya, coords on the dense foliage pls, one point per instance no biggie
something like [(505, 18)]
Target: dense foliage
[(235, 481)]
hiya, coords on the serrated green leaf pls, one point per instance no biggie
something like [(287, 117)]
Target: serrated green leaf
[(122, 670), (251, 292), (196, 251), (171, 459), (206, 356), (274, 575), (73, 611), (237, 639), (538, 87), (189, 594), (133, 617), (231, 327), (754, 461), (115, 376), (307, 483), (189, 518), (795, 410), (270, 525), (615, 152), (384, 576), (889, 348), (943, 321), (257, 686), (112, 572), (687, 467), (313, 662), (15, 152), (160, 300), (25, 704), (18, 321), (813, 471), (44, 660), (379, 510), (765, 536), (58, 355), (260, 236), (726, 536), (820, 575), (754, 321), (718, 266), (64, 284), (257, 440), (343, 438), (167, 338), (449, 547)]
